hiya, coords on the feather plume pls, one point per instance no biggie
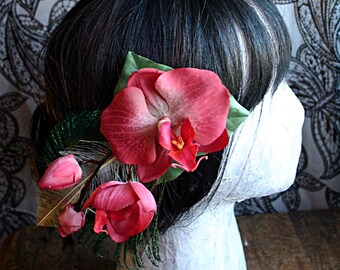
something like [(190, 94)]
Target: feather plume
[(93, 157), (74, 127)]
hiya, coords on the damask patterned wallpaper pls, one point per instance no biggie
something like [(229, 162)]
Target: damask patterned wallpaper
[(314, 76), (24, 27)]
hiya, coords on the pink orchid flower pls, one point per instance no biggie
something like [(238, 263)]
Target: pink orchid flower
[(164, 116), (70, 221), (62, 173), (124, 208)]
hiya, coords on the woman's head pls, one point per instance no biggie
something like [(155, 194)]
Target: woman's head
[(244, 42)]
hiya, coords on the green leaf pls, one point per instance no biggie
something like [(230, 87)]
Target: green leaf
[(133, 63), (236, 116), (171, 174)]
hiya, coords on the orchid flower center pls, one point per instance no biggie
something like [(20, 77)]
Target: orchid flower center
[(162, 121), (179, 143)]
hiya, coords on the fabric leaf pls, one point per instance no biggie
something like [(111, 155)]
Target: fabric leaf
[(237, 115), (171, 174), (135, 62)]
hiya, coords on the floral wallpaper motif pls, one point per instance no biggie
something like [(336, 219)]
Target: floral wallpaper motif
[(24, 27), (314, 76), (13, 155), (22, 38)]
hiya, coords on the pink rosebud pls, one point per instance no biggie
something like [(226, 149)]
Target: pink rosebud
[(124, 208), (70, 221), (62, 173)]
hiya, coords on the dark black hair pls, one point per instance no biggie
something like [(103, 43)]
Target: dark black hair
[(244, 41)]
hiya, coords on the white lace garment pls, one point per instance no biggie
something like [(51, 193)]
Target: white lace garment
[(263, 159)]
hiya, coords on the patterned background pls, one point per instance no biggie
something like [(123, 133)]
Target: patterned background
[(314, 76)]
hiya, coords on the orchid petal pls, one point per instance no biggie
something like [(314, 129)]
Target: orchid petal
[(116, 237), (188, 134), (164, 133), (93, 195), (120, 214), (186, 155), (114, 199), (145, 79), (150, 172), (100, 221), (70, 221), (189, 168), (144, 220), (216, 145), (147, 200), (199, 96), (128, 226), (135, 62), (130, 128), (138, 221)]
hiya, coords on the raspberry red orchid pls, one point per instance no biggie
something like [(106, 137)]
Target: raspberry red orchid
[(164, 116), (124, 208)]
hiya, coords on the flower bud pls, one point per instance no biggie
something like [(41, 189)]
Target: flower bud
[(62, 173), (70, 221)]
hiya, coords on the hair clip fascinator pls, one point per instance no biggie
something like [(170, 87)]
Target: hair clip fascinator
[(160, 123)]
